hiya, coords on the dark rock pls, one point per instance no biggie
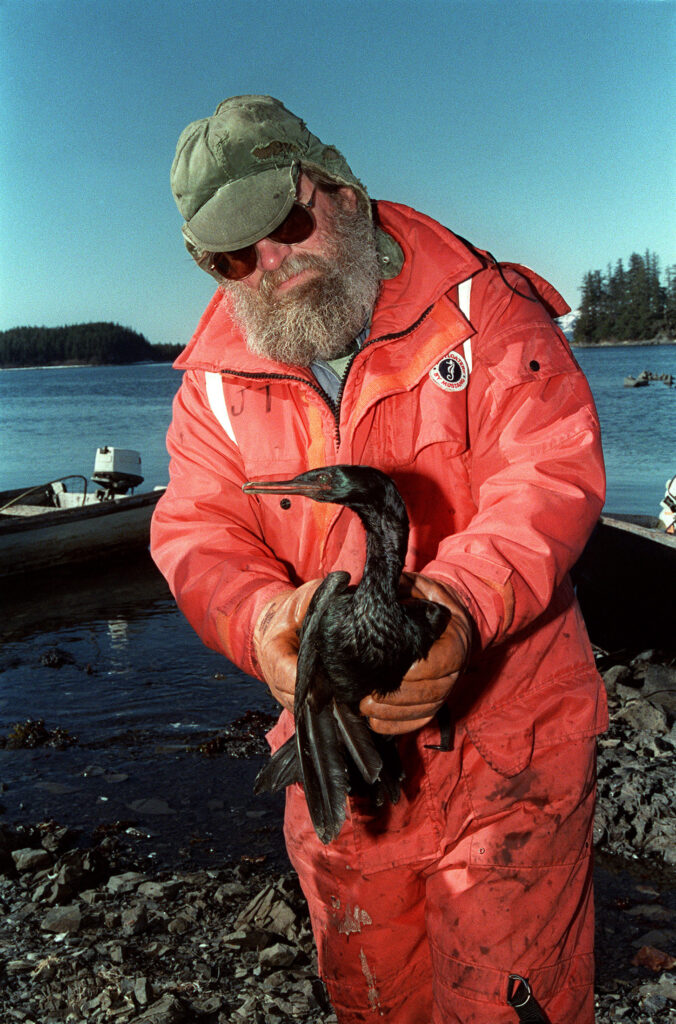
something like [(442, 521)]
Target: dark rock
[(151, 806), (127, 882), (160, 890), (31, 860), (659, 685), (134, 919), (614, 675), (270, 912), (643, 716), (167, 1010), (56, 658), (62, 919), (278, 955)]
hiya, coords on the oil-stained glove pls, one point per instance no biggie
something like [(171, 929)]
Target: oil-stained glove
[(427, 683), (275, 640)]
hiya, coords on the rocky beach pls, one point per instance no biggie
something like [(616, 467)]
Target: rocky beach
[(95, 928)]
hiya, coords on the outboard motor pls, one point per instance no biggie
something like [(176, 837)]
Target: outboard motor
[(117, 470), (667, 517)]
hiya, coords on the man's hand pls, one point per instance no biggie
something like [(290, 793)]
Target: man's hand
[(275, 640), (427, 683)]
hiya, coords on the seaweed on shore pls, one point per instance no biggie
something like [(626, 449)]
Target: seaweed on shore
[(34, 733)]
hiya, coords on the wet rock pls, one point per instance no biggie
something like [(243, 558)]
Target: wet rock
[(142, 991), (643, 716), (242, 738), (151, 806), (134, 919), (270, 912), (127, 882), (160, 890), (654, 959), (635, 814), (279, 955), (62, 919), (31, 860), (167, 1010), (614, 675), (56, 658), (659, 686)]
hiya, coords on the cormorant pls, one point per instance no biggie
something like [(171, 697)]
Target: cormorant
[(355, 640)]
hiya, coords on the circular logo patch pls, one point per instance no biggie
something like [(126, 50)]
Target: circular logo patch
[(451, 373)]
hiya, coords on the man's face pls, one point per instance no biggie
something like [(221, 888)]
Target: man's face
[(272, 255), (309, 300)]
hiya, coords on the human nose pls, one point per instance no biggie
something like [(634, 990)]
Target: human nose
[(271, 254)]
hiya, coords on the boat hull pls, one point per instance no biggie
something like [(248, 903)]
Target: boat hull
[(64, 537), (625, 584)]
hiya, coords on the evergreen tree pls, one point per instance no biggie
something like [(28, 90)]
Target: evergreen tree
[(95, 344), (670, 301), (587, 327), (627, 304)]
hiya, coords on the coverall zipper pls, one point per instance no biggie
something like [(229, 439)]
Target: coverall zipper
[(333, 406)]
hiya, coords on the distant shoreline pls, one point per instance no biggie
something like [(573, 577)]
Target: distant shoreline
[(86, 366), (653, 342)]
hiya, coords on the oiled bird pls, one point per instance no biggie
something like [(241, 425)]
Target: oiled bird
[(354, 640)]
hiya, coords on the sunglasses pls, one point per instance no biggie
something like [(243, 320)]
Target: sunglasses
[(298, 225)]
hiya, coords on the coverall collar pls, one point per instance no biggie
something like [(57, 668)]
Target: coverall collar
[(434, 261)]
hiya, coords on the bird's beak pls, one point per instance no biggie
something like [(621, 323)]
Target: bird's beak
[(308, 488)]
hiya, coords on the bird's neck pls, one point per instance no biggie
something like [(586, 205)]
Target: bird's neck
[(386, 542)]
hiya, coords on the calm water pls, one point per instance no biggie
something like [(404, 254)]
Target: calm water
[(638, 424), (52, 421), (136, 686)]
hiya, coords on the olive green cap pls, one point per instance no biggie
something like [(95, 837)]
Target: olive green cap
[(235, 174)]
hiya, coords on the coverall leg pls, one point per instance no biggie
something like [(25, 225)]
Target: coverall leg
[(422, 921)]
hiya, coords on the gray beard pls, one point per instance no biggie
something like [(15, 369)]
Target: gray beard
[(319, 318)]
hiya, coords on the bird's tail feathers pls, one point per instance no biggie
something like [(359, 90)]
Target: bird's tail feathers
[(393, 773), (359, 741), (325, 775), (283, 769), (332, 753)]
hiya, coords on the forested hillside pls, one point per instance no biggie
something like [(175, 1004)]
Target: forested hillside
[(629, 303), (97, 344)]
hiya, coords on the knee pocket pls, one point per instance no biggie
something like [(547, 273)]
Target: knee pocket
[(541, 817), (567, 981)]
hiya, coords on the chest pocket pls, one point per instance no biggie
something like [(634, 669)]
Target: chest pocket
[(429, 416), (259, 425), (434, 410)]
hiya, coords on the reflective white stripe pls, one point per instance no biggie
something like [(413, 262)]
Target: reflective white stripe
[(467, 352), (217, 402), (464, 292)]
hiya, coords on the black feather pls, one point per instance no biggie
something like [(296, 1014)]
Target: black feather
[(355, 640)]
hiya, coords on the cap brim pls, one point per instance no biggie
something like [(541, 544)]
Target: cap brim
[(243, 211)]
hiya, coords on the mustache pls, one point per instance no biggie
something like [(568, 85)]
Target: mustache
[(291, 266)]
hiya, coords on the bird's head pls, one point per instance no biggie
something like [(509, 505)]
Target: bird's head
[(354, 486)]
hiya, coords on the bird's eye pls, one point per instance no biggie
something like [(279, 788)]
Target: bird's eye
[(324, 478)]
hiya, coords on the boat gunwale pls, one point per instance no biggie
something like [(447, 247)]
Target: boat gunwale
[(53, 517), (639, 526)]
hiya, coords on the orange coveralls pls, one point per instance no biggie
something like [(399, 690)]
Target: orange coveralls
[(486, 423)]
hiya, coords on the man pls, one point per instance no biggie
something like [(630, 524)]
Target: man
[(349, 332)]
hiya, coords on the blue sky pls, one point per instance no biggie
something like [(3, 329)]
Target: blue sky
[(540, 130)]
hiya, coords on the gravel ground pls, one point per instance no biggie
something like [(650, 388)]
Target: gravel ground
[(93, 930)]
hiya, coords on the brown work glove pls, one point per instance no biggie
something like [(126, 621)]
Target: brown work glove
[(275, 640), (427, 683)]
